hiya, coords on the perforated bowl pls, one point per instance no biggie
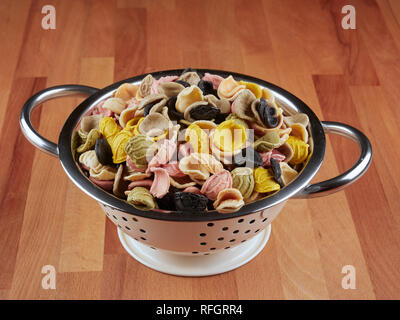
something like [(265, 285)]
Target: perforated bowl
[(192, 233)]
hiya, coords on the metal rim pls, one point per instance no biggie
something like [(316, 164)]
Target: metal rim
[(308, 172)]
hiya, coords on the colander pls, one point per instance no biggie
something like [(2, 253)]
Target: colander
[(184, 243)]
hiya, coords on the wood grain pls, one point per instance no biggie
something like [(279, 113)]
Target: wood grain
[(343, 75)]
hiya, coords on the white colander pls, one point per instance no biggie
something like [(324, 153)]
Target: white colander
[(187, 243)]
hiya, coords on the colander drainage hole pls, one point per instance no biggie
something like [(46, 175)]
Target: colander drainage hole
[(127, 228), (203, 243), (125, 219), (210, 224), (225, 228), (220, 239), (206, 254), (247, 231), (226, 248), (265, 219), (143, 231), (252, 221), (144, 239), (212, 248), (115, 217), (195, 252), (202, 234), (232, 240), (134, 219), (236, 231), (256, 230), (240, 220)]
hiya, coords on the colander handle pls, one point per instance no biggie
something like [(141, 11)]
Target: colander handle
[(48, 94), (345, 179)]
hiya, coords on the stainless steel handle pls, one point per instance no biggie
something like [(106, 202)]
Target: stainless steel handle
[(342, 181), (47, 94)]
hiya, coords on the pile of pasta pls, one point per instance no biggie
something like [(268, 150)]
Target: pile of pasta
[(194, 142)]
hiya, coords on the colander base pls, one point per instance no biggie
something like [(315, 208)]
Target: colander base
[(195, 266)]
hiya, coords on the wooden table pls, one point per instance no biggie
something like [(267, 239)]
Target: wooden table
[(344, 75)]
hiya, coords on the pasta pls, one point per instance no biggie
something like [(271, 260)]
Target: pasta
[(192, 142)]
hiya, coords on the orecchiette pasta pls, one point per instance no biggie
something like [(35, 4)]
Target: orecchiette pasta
[(192, 142)]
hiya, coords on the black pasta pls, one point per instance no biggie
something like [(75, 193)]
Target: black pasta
[(276, 169), (167, 202), (204, 112), (150, 105), (221, 117), (207, 88), (267, 114), (210, 205), (189, 201), (103, 152), (172, 112), (248, 157)]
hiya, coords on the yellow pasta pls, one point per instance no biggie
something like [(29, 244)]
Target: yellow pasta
[(300, 150), (197, 138), (264, 181), (230, 136), (255, 88)]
